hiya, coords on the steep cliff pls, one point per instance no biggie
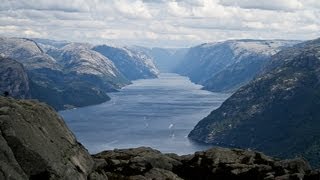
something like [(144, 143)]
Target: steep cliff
[(13, 78), (36, 144)]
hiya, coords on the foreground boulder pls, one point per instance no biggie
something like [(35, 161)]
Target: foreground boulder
[(35, 143), (217, 163)]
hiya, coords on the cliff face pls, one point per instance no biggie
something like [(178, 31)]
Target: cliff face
[(13, 78), (36, 144), (277, 112)]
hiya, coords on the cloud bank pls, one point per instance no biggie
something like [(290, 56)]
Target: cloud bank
[(166, 23)]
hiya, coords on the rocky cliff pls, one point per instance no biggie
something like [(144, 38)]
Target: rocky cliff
[(277, 112), (228, 65), (36, 144), (13, 78)]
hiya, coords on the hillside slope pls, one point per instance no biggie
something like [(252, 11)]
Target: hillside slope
[(226, 66), (132, 63), (166, 59), (84, 74), (277, 112)]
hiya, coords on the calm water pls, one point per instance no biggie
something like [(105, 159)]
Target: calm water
[(158, 113)]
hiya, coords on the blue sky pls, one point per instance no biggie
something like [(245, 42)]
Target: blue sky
[(164, 23)]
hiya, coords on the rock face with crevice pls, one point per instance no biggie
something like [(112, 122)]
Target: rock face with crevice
[(36, 144)]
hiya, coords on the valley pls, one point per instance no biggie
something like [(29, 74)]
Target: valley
[(157, 113)]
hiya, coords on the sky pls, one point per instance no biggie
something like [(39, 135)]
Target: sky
[(160, 23)]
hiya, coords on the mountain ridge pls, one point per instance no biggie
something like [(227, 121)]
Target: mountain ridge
[(65, 70), (225, 66), (274, 113)]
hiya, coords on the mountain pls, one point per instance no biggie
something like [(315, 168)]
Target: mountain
[(13, 78), (51, 81), (133, 64), (78, 58), (166, 59), (48, 43), (58, 71), (226, 66), (28, 53), (277, 112), (37, 144)]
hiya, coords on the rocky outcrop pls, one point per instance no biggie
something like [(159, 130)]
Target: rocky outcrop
[(36, 144), (226, 66), (13, 78), (276, 113), (133, 64), (217, 163)]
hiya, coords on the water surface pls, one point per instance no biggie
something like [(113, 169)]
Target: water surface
[(157, 113)]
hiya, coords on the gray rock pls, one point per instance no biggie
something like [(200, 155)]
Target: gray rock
[(9, 167), (215, 163), (13, 78), (41, 143)]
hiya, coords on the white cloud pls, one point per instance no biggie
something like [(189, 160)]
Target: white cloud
[(286, 5), (136, 9), (160, 22)]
